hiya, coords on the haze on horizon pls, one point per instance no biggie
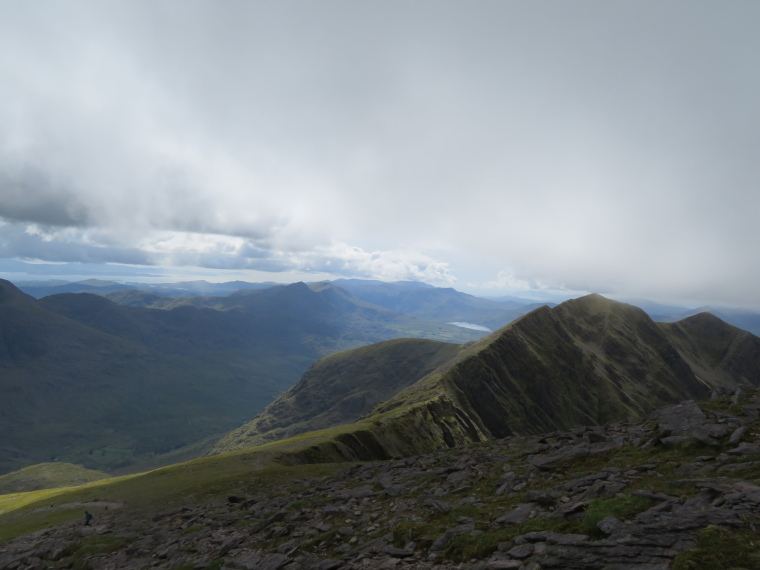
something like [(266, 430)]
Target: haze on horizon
[(490, 146)]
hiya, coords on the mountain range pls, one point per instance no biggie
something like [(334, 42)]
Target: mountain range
[(90, 381), (411, 298)]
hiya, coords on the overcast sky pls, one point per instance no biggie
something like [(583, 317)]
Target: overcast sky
[(490, 146)]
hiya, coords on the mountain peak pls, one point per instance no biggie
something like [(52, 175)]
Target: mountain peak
[(9, 292), (592, 302)]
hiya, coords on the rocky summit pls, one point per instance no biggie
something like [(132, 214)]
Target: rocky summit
[(680, 489)]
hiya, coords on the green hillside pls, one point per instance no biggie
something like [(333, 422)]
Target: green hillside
[(47, 476), (340, 388)]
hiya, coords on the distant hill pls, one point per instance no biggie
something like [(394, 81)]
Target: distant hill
[(588, 361), (89, 381), (47, 476)]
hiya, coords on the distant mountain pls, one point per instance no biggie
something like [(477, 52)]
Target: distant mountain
[(436, 303), (200, 287), (415, 299), (340, 388), (105, 396), (39, 289), (86, 380), (588, 361), (97, 286), (742, 318)]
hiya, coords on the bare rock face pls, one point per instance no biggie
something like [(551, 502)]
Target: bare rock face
[(686, 423)]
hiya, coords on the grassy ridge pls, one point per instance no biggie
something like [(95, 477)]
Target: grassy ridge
[(340, 388)]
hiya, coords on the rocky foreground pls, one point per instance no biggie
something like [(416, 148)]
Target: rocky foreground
[(680, 490)]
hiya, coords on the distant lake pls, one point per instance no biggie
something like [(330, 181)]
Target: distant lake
[(472, 326)]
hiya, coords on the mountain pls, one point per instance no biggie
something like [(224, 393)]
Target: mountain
[(436, 303), (353, 321), (74, 392), (39, 289), (588, 361), (415, 299), (86, 380), (96, 286), (716, 351), (340, 388), (742, 318)]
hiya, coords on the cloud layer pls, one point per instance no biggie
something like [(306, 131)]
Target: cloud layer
[(589, 145)]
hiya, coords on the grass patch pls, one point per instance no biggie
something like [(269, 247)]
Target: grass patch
[(37, 520), (417, 532), (299, 504), (622, 508), (721, 549), (98, 544), (463, 547), (146, 494)]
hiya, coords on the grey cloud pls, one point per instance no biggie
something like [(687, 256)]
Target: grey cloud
[(595, 145), (28, 195), (17, 242)]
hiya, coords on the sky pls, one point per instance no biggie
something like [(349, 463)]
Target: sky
[(490, 146)]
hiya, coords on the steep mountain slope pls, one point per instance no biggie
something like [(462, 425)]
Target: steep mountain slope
[(716, 350), (340, 388), (588, 361)]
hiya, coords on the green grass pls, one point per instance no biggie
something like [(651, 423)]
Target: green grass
[(463, 547), (624, 507), (95, 544), (11, 527), (722, 549), (207, 479)]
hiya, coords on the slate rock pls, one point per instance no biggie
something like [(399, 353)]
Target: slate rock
[(520, 514)]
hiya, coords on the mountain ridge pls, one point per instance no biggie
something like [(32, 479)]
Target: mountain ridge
[(588, 361)]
